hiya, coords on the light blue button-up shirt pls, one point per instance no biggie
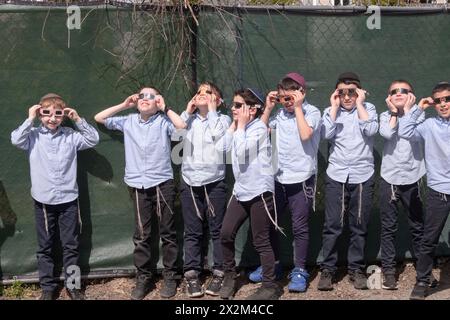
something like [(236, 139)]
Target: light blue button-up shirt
[(251, 156), (53, 158), (202, 162), (296, 160), (351, 152), (435, 133), (403, 162), (147, 148)]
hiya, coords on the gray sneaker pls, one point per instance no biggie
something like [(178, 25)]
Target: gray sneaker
[(325, 281), (143, 287), (228, 286), (169, 286), (389, 282), (194, 288), (215, 284), (359, 280)]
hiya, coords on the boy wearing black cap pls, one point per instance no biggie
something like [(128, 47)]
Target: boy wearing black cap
[(350, 124), (52, 152)]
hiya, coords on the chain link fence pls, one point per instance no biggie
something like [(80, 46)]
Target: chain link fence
[(122, 46)]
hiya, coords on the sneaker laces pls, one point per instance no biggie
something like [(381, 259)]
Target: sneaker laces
[(217, 279)]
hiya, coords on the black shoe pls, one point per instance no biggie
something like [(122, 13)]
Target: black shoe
[(142, 288), (228, 286), (419, 292), (169, 286), (266, 293), (359, 280), (193, 286), (216, 283), (389, 282), (75, 294), (325, 281), (48, 295)]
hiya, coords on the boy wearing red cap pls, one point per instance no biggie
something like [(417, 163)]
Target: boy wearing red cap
[(296, 129)]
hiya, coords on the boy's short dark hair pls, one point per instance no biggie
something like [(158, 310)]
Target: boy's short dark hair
[(251, 99), (441, 86), (402, 81), (349, 78), (215, 90)]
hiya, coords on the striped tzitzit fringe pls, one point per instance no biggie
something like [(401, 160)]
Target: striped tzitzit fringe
[(360, 202), (393, 193), (199, 215), (158, 204), (79, 215), (342, 204), (138, 211), (275, 223), (209, 204), (44, 209)]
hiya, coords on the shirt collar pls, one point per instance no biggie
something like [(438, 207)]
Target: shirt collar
[(198, 116), (342, 109), (251, 123), (292, 114), (443, 120), (45, 130), (151, 119)]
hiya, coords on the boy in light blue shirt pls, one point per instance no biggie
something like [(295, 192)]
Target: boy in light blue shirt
[(435, 134), (296, 134), (350, 124), (52, 152), (253, 197), (203, 190), (402, 167), (149, 176)]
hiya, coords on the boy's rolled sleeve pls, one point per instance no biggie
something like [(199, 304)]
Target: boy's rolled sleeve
[(385, 128), (409, 126), (328, 125), (273, 122), (185, 116), (314, 119), (115, 123), (217, 125), (87, 137), (369, 127), (21, 136)]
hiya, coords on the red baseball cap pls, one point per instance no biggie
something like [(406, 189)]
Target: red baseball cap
[(297, 78)]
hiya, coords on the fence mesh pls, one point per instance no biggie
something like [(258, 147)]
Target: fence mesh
[(118, 49)]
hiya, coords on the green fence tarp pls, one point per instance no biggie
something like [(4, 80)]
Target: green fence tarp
[(117, 51)]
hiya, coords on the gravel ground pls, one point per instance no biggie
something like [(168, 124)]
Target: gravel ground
[(120, 288)]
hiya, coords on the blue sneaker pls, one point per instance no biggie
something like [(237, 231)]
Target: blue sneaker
[(299, 280), (256, 276)]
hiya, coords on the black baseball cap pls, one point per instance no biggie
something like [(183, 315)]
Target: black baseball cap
[(348, 76)]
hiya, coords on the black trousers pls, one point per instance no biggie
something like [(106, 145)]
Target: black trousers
[(356, 200), (390, 197), (438, 208), (237, 213), (50, 218), (154, 203), (194, 225)]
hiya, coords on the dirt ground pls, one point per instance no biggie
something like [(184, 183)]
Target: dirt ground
[(120, 288)]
